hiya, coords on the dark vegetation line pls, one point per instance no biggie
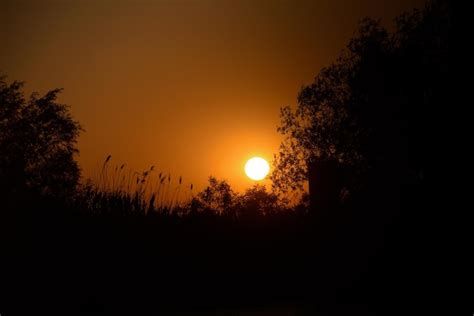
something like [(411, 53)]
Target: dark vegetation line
[(153, 193)]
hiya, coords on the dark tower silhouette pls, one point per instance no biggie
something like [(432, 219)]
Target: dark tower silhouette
[(324, 186)]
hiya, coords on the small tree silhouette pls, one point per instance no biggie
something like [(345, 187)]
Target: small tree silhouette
[(217, 197), (257, 201), (37, 143)]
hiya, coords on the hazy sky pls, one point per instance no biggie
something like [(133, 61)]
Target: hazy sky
[(192, 87)]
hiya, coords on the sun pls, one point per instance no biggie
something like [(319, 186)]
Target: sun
[(257, 168)]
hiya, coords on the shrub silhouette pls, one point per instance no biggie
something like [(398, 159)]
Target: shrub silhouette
[(218, 197), (258, 201), (37, 143)]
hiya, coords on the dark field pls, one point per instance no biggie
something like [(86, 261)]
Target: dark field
[(285, 264)]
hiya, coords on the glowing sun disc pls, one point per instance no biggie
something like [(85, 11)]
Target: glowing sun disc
[(257, 168)]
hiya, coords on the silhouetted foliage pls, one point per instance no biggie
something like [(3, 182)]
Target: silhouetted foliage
[(37, 143), (217, 200), (257, 200), (368, 110), (218, 197)]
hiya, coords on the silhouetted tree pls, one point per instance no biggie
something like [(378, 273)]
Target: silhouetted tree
[(37, 143), (363, 119), (257, 201), (217, 197), (325, 126)]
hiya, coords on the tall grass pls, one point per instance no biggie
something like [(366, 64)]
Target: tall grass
[(123, 191)]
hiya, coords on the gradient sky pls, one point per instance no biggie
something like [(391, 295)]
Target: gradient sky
[(192, 87)]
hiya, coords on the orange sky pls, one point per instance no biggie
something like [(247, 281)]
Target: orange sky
[(192, 87)]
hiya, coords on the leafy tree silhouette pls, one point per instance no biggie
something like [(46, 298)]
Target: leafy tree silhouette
[(325, 126), (217, 197), (37, 143), (257, 201), (362, 123)]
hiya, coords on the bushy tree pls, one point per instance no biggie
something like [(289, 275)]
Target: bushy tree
[(258, 201), (218, 196), (38, 140), (367, 112), (328, 122)]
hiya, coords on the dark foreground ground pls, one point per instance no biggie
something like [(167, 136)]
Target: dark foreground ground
[(293, 265)]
